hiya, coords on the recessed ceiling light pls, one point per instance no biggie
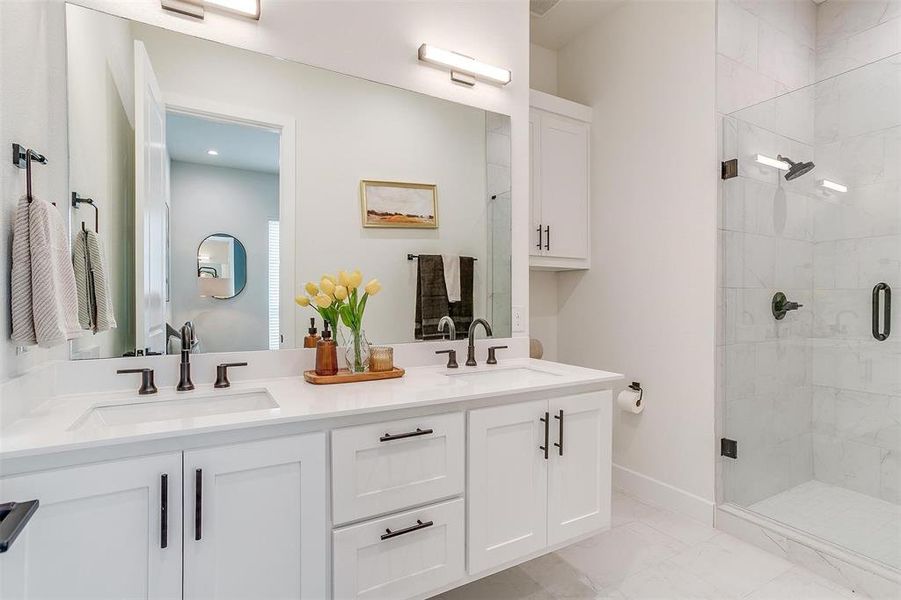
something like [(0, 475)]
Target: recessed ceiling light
[(212, 152)]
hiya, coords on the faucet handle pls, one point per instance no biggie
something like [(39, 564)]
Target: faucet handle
[(492, 360), (222, 374), (147, 384), (451, 358)]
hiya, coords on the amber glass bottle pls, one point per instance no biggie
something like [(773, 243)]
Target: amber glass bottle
[(326, 354)]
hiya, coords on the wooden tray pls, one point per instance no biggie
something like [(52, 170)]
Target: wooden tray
[(345, 376)]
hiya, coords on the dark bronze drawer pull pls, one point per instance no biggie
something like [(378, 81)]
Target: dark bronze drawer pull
[(546, 419), (419, 525), (399, 436)]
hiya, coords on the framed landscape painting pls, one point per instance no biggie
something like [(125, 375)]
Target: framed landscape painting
[(396, 204)]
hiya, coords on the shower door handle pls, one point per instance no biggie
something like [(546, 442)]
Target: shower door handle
[(886, 296)]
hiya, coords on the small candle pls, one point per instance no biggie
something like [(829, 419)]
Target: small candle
[(381, 358)]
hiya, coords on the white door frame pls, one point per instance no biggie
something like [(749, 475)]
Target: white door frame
[(287, 174)]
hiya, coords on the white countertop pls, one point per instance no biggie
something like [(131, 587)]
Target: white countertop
[(49, 426)]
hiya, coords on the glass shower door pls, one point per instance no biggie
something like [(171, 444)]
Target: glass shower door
[(811, 371)]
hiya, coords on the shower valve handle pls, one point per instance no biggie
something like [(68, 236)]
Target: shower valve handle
[(781, 305)]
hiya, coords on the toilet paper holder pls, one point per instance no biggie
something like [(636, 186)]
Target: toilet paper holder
[(636, 387)]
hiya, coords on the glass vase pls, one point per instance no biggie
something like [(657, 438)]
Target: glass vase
[(356, 350)]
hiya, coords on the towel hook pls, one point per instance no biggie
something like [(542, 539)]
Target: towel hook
[(22, 158), (76, 201)]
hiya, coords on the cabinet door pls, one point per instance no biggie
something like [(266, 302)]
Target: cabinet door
[(563, 150), (579, 479), (255, 520), (507, 489), (536, 248), (98, 532)]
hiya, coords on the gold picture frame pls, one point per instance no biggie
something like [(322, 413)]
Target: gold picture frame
[(397, 204)]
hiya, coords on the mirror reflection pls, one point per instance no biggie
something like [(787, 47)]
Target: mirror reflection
[(234, 179)]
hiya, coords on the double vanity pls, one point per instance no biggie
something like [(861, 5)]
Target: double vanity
[(275, 488)]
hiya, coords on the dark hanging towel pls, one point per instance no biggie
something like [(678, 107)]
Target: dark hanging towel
[(431, 297)]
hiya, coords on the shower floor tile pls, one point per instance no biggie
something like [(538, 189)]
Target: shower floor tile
[(856, 521)]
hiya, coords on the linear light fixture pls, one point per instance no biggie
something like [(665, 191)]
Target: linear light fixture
[(212, 152), (464, 69), (831, 185), (772, 162), (196, 8)]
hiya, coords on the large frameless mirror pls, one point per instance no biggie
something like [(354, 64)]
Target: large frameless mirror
[(232, 180)]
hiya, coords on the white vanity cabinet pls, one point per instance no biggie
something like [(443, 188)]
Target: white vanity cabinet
[(255, 520), (103, 530), (559, 138), (539, 475)]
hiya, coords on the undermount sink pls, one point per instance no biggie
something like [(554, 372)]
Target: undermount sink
[(491, 375), (179, 407)]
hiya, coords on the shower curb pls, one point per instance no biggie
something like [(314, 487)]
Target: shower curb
[(862, 575)]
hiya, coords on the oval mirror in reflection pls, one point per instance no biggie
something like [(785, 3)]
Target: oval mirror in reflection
[(221, 266)]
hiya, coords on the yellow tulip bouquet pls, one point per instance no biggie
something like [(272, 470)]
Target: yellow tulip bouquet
[(339, 299)]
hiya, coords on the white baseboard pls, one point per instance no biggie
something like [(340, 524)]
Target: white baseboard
[(654, 491)]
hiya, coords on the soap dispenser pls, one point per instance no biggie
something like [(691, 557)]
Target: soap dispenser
[(326, 353), (312, 337)]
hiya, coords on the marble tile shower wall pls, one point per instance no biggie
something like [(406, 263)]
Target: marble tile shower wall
[(764, 48), (851, 33), (857, 244)]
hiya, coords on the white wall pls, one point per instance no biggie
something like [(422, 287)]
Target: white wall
[(206, 200), (646, 308), (33, 113), (349, 130), (542, 69), (101, 160)]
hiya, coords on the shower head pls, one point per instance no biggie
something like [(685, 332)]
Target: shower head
[(796, 169)]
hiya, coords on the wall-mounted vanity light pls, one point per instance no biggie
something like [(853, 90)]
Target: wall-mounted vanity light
[(196, 8), (464, 69), (831, 185), (772, 162)]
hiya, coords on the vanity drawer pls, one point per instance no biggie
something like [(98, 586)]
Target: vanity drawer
[(385, 467), (401, 556)]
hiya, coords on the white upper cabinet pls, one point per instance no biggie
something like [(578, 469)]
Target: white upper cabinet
[(256, 520), (559, 137), (101, 531)]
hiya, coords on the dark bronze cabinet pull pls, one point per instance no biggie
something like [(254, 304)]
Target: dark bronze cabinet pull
[(399, 436), (560, 432), (14, 516), (164, 510), (547, 237), (198, 504), (539, 237), (419, 525), (886, 311), (546, 419)]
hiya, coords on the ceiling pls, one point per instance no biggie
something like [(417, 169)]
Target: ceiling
[(189, 138), (565, 21)]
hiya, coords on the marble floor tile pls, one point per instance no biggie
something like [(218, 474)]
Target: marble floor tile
[(653, 554), (800, 584), (732, 566)]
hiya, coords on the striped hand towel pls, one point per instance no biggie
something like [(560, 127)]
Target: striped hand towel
[(95, 304), (51, 297)]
